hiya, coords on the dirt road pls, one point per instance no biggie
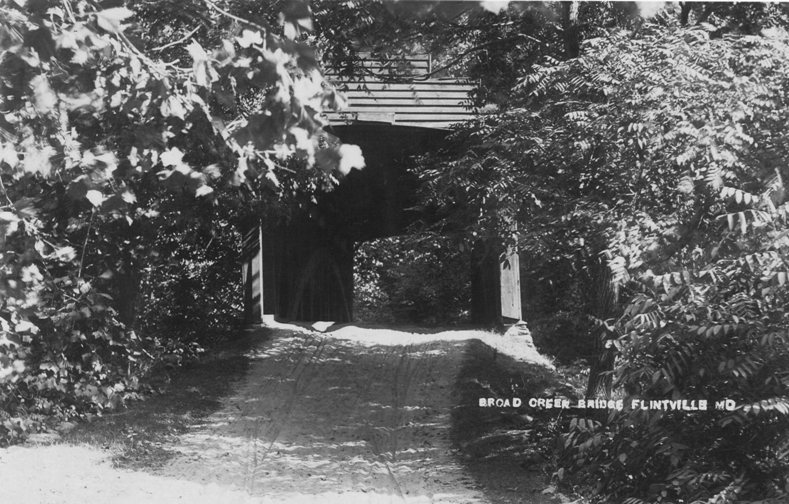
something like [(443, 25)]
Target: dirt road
[(345, 417), (337, 420)]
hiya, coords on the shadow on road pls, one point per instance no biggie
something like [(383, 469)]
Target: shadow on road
[(142, 434), (506, 450)]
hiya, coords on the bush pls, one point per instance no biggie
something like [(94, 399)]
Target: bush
[(412, 279)]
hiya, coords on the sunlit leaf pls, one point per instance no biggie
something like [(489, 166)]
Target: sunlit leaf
[(111, 19)]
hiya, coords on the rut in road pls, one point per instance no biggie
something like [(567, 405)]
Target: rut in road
[(325, 419)]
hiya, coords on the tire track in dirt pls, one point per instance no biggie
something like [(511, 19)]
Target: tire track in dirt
[(304, 373), (332, 420)]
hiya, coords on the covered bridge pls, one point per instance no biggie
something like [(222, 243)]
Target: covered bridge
[(304, 271)]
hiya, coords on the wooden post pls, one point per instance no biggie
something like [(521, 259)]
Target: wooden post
[(510, 284), (252, 275), (495, 286)]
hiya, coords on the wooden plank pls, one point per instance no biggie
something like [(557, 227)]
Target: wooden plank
[(406, 101), (416, 86), (395, 96), (430, 103), (436, 125), (415, 116), (371, 116), (368, 56), (402, 121), (423, 65), (439, 125), (413, 108)]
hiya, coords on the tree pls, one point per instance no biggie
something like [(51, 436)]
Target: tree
[(104, 145), (652, 166)]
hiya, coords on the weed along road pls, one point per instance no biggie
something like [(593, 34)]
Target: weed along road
[(352, 415)]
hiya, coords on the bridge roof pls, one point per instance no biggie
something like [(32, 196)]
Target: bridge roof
[(416, 101)]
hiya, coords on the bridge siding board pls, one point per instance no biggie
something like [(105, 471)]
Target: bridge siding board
[(404, 87), (429, 103), (440, 121), (400, 101), (410, 108), (397, 96), (394, 65), (442, 125)]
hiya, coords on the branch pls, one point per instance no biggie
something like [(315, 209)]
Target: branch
[(180, 40), (233, 16), (85, 244), (5, 192)]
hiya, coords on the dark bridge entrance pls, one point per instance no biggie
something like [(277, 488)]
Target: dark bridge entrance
[(304, 271)]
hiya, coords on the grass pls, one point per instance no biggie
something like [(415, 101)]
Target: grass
[(139, 435)]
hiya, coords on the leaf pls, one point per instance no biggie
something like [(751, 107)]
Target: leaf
[(350, 157), (6, 217), (204, 73), (204, 190), (37, 160), (172, 157), (110, 19), (44, 97), (212, 171), (128, 197), (272, 177), (196, 51), (8, 154), (328, 159), (173, 107), (249, 37), (685, 185), (65, 253), (95, 197)]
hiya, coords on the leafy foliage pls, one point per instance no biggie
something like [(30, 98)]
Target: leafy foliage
[(414, 279), (108, 154), (651, 169)]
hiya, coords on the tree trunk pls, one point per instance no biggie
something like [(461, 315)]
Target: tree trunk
[(684, 14), (604, 304), (571, 28), (127, 283)]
